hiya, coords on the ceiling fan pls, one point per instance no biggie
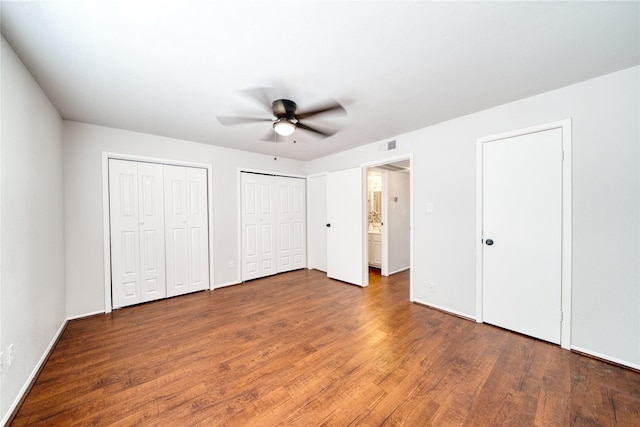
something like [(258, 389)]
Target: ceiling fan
[(286, 117)]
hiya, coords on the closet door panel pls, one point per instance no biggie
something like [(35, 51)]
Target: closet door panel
[(292, 224), (187, 229), (198, 227), (123, 214), (257, 229), (176, 230), (151, 220)]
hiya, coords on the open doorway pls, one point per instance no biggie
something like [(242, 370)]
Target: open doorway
[(388, 217)]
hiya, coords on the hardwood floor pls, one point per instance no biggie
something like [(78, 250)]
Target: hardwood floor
[(301, 349)]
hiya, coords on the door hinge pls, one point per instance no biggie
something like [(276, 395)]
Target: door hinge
[(561, 318)]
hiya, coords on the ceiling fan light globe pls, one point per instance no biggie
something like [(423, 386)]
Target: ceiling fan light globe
[(284, 127)]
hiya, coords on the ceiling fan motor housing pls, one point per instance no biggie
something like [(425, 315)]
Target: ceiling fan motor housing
[(284, 108)]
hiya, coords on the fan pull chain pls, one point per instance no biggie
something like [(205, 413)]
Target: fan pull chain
[(275, 145)]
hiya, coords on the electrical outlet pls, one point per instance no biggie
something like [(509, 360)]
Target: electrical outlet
[(432, 287), (10, 355)]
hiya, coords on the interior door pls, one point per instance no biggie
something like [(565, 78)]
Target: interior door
[(345, 226), (186, 229), (522, 233)]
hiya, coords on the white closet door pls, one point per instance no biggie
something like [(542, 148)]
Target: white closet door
[(186, 230), (198, 223), (291, 224), (151, 221), (137, 232), (258, 220), (125, 242)]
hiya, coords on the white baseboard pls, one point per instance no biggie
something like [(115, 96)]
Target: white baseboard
[(33, 374), (605, 357), (222, 285), (80, 316), (399, 270), (447, 310)]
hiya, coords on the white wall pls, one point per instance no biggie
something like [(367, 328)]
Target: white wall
[(83, 147), (316, 222), (32, 242), (398, 216), (606, 205)]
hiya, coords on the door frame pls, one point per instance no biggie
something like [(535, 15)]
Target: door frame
[(566, 261), (106, 226), (385, 239)]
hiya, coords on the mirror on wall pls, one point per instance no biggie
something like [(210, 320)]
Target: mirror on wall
[(375, 200)]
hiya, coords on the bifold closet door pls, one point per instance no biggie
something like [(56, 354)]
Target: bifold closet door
[(274, 227), (137, 232), (186, 229), (291, 220), (258, 226)]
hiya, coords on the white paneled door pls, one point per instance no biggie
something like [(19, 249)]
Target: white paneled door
[(258, 226), (137, 232), (291, 220), (186, 229), (159, 231), (345, 226), (273, 225), (522, 233)]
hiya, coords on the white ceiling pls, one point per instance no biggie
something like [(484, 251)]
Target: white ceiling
[(170, 67)]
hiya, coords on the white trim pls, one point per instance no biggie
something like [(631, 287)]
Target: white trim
[(239, 265), (565, 125), (384, 235), (391, 273), (32, 375), (222, 285), (446, 310), (106, 155), (271, 173), (605, 357), (364, 192), (82, 316)]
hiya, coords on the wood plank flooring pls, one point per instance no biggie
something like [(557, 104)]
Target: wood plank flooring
[(300, 349)]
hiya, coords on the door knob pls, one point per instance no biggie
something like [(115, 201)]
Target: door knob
[(489, 242)]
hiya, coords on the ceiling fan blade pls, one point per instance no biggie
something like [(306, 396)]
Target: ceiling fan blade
[(262, 95), (324, 133), (331, 107), (232, 121), (270, 136)]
